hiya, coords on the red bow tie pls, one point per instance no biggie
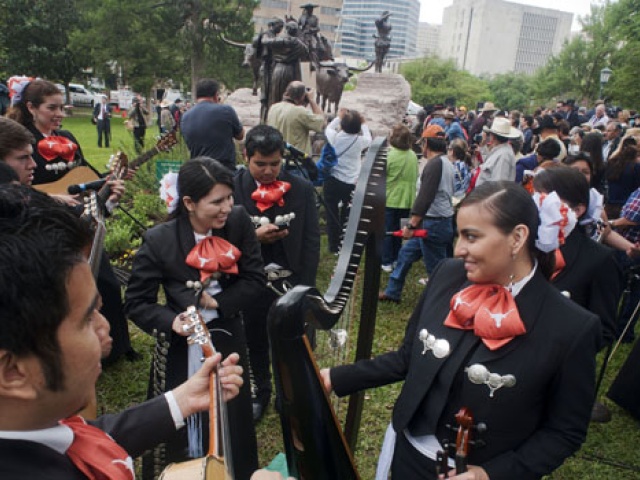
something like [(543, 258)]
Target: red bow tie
[(51, 148), (214, 254), (96, 454), (490, 311), (266, 196)]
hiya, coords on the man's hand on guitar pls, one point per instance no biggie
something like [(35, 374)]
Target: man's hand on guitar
[(69, 200), (117, 190), (193, 395)]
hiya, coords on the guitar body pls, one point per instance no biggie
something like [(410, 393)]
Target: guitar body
[(76, 176), (84, 174), (207, 468)]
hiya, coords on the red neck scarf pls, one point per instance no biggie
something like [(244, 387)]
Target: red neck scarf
[(96, 454), (490, 311), (214, 254), (266, 196), (51, 148)]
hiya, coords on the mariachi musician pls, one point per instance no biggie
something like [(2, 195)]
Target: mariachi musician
[(491, 334), (284, 212), (38, 105)]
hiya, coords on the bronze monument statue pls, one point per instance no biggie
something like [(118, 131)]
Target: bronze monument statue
[(383, 39), (263, 51), (286, 52), (309, 31)]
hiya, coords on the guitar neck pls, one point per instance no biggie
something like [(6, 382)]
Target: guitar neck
[(145, 157)]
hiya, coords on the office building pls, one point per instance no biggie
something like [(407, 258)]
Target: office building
[(357, 28), (494, 36), (428, 39)]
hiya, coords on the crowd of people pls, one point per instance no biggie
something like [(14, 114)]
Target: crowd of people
[(526, 226)]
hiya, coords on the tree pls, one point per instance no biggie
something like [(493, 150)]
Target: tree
[(624, 88), (35, 38), (512, 91), (433, 80)]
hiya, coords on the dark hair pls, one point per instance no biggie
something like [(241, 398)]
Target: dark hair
[(264, 139), (7, 174), (592, 144), (529, 120), (563, 127), (437, 144), (511, 205), (579, 157), (548, 149), (624, 156), (41, 241), (570, 185), (197, 177), (460, 150), (207, 87), (351, 122), (401, 137), (13, 136), (35, 92)]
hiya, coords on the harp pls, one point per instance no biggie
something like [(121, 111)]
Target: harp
[(314, 443)]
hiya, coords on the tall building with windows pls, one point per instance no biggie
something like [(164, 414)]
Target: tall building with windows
[(327, 11), (357, 28), (494, 36), (428, 39)]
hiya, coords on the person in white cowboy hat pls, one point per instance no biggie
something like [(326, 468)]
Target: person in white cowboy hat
[(501, 162)]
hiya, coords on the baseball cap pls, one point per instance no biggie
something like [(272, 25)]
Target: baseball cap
[(433, 131)]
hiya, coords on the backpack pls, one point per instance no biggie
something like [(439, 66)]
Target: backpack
[(328, 160)]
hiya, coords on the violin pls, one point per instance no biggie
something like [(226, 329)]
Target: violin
[(464, 433)]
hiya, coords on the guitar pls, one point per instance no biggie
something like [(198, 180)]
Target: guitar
[(84, 174), (216, 465), (93, 214)]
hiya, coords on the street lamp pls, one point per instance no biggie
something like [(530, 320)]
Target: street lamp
[(605, 75)]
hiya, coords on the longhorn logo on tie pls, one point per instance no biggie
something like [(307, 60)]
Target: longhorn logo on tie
[(497, 317)]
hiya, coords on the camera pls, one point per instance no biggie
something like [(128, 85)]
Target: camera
[(477, 138)]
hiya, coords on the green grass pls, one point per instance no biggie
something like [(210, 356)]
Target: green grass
[(125, 383)]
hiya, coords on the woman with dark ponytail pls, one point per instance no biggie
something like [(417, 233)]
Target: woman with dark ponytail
[(492, 335)]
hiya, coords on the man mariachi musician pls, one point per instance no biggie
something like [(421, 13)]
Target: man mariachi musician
[(50, 355), (283, 208)]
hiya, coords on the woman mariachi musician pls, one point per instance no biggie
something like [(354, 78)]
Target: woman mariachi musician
[(492, 335), (38, 105), (206, 253)]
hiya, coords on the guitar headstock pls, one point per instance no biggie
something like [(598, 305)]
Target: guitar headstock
[(167, 141), (93, 212), (200, 336), (118, 164)]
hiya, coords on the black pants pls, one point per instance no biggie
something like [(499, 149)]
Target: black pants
[(255, 325), (110, 290), (138, 137), (336, 191), (104, 128)]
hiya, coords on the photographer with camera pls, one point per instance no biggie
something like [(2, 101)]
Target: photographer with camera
[(292, 117)]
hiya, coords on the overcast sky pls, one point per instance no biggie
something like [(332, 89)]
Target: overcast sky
[(431, 10)]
